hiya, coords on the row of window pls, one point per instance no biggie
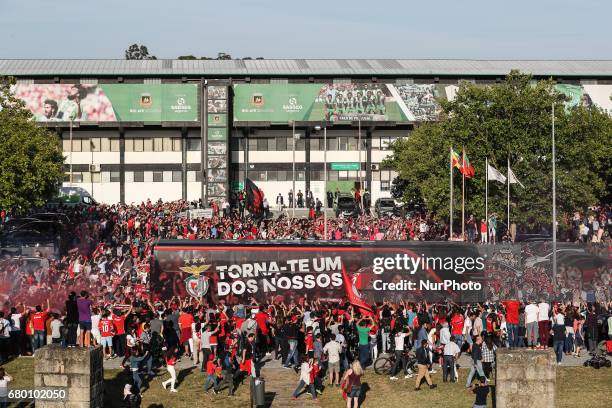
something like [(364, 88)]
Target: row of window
[(133, 177), (174, 144), (315, 175), (345, 143), (154, 144)]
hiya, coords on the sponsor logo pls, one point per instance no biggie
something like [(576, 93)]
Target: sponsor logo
[(292, 105), (146, 100), (257, 100)]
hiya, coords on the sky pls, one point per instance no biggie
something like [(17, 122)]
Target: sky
[(445, 29)]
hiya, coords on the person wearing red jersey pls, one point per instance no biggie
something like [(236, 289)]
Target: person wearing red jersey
[(38, 319), (170, 365), (184, 321), (457, 327), (120, 337), (512, 320), (107, 331), (263, 331)]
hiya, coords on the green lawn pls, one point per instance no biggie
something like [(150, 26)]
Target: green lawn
[(577, 387)]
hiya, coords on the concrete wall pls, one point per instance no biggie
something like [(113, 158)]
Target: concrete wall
[(525, 379), (79, 370)]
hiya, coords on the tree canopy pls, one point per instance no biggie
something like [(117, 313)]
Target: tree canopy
[(138, 52), (31, 160), (511, 120)]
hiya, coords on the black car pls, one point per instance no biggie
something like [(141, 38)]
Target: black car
[(346, 206)]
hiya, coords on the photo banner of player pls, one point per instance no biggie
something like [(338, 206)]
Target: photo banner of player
[(345, 102), (376, 270), (110, 102)]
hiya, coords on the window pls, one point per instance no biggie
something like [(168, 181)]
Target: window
[(272, 144), (66, 145), (252, 145), (332, 144), (86, 177), (115, 177), (158, 176), (148, 144), (384, 143), (281, 144), (76, 177), (375, 143), (198, 176), (289, 143), (332, 175), (95, 144), (114, 145), (138, 145), (138, 176), (343, 144), (194, 145), (314, 144), (352, 143), (158, 145), (385, 175), (316, 175), (85, 145), (375, 175), (262, 145), (261, 175), (234, 144), (105, 144), (299, 175), (385, 186), (76, 145), (177, 176), (95, 177), (281, 175), (272, 174), (129, 145), (301, 145), (177, 145)]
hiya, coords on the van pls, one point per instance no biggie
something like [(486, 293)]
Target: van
[(385, 207), (346, 205)]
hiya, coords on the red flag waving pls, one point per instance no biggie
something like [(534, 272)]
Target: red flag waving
[(466, 168), (254, 198), (354, 296)]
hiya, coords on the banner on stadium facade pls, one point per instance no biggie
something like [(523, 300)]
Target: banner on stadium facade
[(110, 102), (344, 102), (376, 270)]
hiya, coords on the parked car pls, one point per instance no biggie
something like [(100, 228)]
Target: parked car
[(346, 206), (385, 207)]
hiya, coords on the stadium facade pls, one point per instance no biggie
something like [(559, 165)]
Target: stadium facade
[(171, 129)]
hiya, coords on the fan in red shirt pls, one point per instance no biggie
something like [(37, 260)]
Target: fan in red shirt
[(107, 330), (512, 320)]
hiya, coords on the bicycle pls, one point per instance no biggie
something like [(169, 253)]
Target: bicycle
[(385, 363)]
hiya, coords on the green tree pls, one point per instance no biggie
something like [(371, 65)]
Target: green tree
[(511, 120), (138, 52), (31, 163)]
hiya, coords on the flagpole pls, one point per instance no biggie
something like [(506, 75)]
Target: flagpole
[(450, 214), (554, 200), (508, 207), (463, 194), (486, 189)]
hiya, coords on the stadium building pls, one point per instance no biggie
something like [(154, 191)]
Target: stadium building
[(171, 129)]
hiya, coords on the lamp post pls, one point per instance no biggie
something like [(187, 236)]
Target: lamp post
[(295, 137), (71, 152), (554, 199)]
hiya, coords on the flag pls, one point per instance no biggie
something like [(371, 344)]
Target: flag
[(494, 174), (353, 294), (512, 178), (254, 198), (455, 161), (466, 168)]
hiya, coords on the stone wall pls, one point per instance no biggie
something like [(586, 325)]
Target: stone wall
[(80, 370), (525, 379)]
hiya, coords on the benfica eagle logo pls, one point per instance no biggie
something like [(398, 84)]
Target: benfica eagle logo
[(196, 284)]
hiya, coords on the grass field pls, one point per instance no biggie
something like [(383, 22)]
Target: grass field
[(576, 387)]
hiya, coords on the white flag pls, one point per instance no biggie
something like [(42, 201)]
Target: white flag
[(494, 174), (512, 178)]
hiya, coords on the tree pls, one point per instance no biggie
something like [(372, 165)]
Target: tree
[(31, 163), (138, 52), (509, 120)]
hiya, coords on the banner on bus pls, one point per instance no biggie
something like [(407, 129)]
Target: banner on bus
[(372, 271)]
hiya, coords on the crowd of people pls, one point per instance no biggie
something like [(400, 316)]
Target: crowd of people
[(94, 292)]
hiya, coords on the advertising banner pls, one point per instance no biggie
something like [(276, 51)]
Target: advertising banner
[(376, 270), (110, 102), (282, 103)]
